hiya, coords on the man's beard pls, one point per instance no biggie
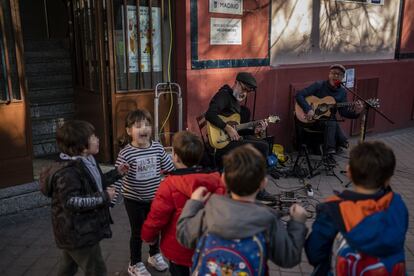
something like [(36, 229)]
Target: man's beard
[(239, 97)]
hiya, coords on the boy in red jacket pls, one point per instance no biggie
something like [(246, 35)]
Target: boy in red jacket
[(171, 197)]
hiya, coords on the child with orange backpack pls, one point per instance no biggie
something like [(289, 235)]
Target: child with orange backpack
[(361, 232)]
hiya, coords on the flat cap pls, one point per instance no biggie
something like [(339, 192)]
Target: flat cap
[(247, 79), (338, 66)]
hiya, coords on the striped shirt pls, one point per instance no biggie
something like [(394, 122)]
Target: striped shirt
[(144, 174)]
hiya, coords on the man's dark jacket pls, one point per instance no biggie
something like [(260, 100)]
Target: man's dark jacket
[(224, 103)]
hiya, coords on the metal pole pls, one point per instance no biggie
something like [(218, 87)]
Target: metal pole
[(46, 19)]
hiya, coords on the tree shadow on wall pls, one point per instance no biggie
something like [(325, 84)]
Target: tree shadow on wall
[(335, 26)]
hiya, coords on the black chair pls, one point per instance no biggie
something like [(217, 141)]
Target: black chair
[(310, 141), (209, 158), (307, 141)]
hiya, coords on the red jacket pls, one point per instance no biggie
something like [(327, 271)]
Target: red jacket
[(166, 208)]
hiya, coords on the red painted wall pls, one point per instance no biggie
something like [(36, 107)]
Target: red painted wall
[(273, 95), (255, 44), (395, 89)]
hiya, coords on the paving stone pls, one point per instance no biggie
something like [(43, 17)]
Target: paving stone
[(27, 245)]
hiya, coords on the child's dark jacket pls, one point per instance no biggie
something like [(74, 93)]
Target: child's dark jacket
[(80, 213), (372, 224), (169, 201)]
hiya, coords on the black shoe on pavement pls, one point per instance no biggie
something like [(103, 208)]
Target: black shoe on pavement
[(330, 151), (344, 145), (339, 150)]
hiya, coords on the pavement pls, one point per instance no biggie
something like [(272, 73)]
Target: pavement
[(27, 245)]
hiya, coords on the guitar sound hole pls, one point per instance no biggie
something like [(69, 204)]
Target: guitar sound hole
[(322, 109)]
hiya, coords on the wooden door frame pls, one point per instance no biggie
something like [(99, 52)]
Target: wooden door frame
[(103, 80), (20, 167), (102, 94), (139, 98)]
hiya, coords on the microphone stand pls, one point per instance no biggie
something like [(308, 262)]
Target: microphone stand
[(364, 118)]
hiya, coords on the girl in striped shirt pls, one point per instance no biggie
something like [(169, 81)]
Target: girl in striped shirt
[(146, 160)]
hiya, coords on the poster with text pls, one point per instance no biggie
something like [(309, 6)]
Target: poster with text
[(350, 77), (225, 31), (145, 33)]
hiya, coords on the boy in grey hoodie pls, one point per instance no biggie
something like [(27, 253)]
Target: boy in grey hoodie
[(238, 217)]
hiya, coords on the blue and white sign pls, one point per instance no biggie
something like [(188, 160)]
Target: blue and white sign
[(349, 77), (226, 6)]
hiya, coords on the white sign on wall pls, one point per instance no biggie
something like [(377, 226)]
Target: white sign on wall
[(350, 77), (225, 31), (226, 6)]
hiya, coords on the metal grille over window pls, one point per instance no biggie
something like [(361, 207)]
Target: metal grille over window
[(87, 68), (139, 35)]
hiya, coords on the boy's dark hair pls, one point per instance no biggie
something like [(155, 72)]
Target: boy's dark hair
[(73, 137), (244, 170), (132, 117), (371, 164), (188, 147)]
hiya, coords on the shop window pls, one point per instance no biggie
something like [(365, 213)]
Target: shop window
[(142, 43), (9, 78)]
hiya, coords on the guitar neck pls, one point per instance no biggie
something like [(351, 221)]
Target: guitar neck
[(343, 104), (247, 125)]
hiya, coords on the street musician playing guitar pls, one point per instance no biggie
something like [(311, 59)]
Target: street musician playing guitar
[(226, 102), (329, 90)]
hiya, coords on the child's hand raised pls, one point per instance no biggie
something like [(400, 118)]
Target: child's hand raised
[(298, 213), (200, 194), (123, 168)]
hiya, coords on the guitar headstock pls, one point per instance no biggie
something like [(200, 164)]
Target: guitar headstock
[(374, 102), (273, 119)]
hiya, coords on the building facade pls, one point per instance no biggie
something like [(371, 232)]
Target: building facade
[(97, 59)]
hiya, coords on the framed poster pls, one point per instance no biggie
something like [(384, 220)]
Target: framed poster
[(144, 34), (349, 77)]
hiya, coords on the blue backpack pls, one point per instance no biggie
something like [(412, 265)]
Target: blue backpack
[(221, 257)]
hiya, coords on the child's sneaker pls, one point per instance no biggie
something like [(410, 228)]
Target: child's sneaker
[(138, 269), (158, 262)]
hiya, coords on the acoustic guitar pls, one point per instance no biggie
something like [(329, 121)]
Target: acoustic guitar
[(218, 138), (322, 107)]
